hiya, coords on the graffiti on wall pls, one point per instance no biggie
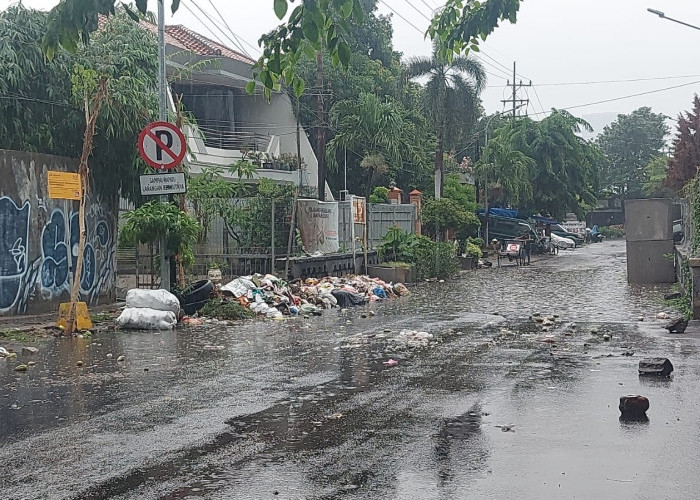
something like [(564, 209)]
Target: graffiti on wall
[(50, 275), (16, 270)]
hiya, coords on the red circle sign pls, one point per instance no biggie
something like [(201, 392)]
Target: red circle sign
[(162, 145)]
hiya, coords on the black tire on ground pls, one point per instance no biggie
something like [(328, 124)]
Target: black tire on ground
[(199, 291), (193, 307)]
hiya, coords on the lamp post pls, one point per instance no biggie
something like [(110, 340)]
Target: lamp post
[(664, 16)]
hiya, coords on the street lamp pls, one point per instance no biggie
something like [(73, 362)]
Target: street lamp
[(664, 16)]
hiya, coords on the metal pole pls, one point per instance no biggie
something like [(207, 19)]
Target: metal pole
[(163, 115), (345, 168), (486, 190), (272, 234)]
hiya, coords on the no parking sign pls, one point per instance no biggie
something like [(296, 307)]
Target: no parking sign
[(162, 145)]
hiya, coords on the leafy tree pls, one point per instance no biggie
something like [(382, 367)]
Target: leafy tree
[(464, 195), (456, 28), (507, 167), (451, 98), (377, 133), (46, 117), (461, 25), (683, 165), (380, 194), (442, 214), (630, 143), (655, 175), (544, 166), (155, 220)]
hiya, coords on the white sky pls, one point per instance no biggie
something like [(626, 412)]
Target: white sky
[(554, 41)]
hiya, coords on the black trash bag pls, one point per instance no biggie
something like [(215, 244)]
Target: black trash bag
[(348, 299)]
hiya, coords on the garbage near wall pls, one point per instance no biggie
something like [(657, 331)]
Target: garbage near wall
[(274, 298)]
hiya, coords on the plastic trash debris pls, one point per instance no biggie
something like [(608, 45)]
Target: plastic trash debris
[(3, 352), (159, 300), (390, 363), (239, 287), (145, 318)]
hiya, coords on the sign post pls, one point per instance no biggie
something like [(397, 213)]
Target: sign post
[(162, 146)]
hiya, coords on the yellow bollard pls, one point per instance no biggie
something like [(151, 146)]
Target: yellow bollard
[(80, 314)]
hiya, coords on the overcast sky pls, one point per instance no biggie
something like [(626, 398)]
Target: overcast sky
[(554, 42)]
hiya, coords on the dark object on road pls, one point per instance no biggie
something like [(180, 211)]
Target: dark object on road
[(633, 407), (660, 367), (672, 296), (677, 326), (348, 299), (195, 296)]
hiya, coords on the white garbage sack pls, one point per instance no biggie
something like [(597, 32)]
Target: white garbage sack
[(160, 300), (239, 287), (144, 318)]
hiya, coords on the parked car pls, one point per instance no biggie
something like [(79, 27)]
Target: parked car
[(561, 242), (506, 228), (678, 231), (560, 231)]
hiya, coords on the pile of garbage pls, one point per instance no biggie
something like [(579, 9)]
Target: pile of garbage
[(274, 298)]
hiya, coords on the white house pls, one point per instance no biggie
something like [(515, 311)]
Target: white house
[(230, 121)]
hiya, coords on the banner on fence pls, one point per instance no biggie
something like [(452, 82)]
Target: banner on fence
[(359, 210), (574, 227), (318, 224)]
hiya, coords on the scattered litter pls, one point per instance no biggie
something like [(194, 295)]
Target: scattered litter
[(506, 428), (390, 362), (662, 315), (3, 352), (412, 339)]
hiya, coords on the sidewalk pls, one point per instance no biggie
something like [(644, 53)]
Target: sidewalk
[(45, 321)]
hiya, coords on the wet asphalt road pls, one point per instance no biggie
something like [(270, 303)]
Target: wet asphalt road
[(306, 409)]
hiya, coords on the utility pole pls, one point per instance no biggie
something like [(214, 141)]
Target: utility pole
[(517, 103), (321, 130), (163, 116)]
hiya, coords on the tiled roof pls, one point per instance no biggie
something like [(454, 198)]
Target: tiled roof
[(186, 39)]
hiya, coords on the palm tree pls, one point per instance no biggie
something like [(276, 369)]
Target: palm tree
[(377, 134), (451, 98)]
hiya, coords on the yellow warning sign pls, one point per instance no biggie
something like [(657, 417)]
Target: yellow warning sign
[(64, 185)]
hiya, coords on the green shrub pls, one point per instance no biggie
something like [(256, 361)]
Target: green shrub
[(432, 259), (612, 232), (474, 251), (225, 310), (379, 195)]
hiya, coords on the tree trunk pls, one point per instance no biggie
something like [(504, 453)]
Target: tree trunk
[(180, 267), (439, 165), (92, 111)]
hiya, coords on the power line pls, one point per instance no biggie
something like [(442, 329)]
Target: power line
[(538, 99), (401, 16), (214, 23), (627, 96), (417, 10), (240, 39), (618, 81)]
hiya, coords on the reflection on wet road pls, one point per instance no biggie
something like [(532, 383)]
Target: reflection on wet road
[(493, 407)]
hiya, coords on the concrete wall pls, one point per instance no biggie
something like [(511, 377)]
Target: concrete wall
[(39, 239), (649, 231)]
